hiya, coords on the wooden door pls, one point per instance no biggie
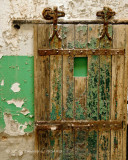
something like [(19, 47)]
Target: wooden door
[(80, 116)]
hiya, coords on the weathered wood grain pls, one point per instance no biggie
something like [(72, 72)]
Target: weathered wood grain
[(105, 95), (42, 80), (68, 91), (68, 67), (117, 92), (80, 95), (93, 90)]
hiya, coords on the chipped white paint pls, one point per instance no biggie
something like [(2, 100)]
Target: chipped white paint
[(2, 83), (15, 87), (13, 128), (24, 111), (17, 102)]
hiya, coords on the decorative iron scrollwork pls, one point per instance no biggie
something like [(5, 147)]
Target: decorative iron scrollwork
[(54, 14), (106, 14)]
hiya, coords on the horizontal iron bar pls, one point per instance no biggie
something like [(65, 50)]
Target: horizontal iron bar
[(74, 52), (97, 21), (84, 125)]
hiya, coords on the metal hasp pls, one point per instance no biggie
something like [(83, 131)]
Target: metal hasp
[(54, 14), (106, 14)]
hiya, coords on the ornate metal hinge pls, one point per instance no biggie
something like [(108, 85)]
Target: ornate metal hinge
[(54, 14), (106, 14)]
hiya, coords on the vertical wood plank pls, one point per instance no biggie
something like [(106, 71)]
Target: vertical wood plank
[(68, 91), (55, 87), (80, 95), (117, 91), (68, 65), (56, 90), (80, 82), (93, 91), (125, 96), (105, 96), (43, 72)]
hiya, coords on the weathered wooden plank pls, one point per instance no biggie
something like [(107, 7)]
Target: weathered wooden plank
[(93, 90), (92, 145), (42, 84), (49, 147), (80, 82), (68, 91), (80, 98), (80, 144), (55, 87), (125, 96), (105, 87), (68, 64), (80, 95), (105, 96), (117, 92), (68, 144), (55, 136)]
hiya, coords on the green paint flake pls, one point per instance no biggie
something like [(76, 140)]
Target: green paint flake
[(17, 69)]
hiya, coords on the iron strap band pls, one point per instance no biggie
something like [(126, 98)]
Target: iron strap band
[(74, 52)]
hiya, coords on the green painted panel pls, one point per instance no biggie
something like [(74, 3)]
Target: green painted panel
[(17, 69), (80, 66)]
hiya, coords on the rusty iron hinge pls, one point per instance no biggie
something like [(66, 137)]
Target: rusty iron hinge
[(54, 14), (106, 14)]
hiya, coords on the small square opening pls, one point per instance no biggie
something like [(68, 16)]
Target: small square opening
[(80, 66)]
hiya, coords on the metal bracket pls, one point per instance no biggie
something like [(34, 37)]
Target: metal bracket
[(54, 14), (106, 14)]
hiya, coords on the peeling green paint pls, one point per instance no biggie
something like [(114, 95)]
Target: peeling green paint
[(92, 95), (104, 146), (17, 69), (69, 100), (79, 111), (80, 45), (82, 28), (68, 145), (80, 145), (92, 144), (105, 82), (56, 112), (93, 43)]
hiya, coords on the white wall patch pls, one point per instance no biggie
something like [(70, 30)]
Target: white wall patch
[(13, 128), (15, 87), (2, 83), (24, 111), (18, 103)]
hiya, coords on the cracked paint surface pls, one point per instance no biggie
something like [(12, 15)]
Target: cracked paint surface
[(18, 105)]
